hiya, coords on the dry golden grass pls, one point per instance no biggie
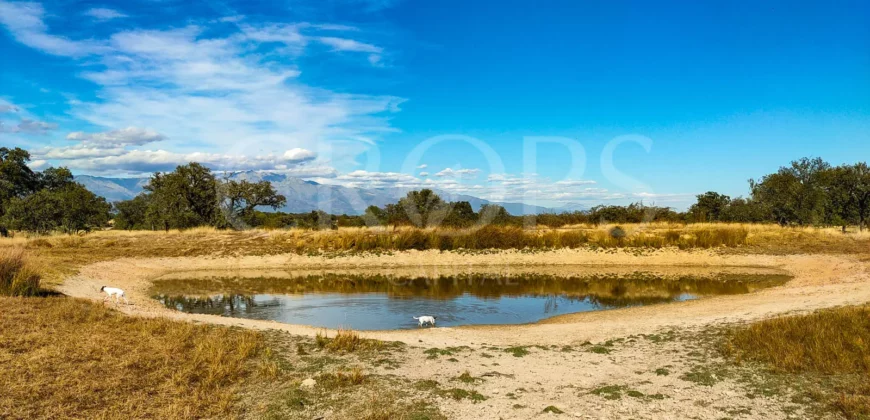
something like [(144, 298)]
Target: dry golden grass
[(346, 341), (833, 343), (62, 254), (18, 277), (70, 358)]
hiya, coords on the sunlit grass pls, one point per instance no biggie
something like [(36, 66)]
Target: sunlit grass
[(65, 251), (833, 344), (70, 358), (18, 276)]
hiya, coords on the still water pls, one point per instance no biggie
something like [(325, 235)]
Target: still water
[(378, 302)]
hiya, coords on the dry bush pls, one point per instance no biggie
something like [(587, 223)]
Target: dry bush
[(18, 277), (70, 358), (834, 342)]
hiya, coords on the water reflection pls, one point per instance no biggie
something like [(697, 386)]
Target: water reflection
[(387, 302)]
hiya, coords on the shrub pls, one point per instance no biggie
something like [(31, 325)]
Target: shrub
[(617, 233)]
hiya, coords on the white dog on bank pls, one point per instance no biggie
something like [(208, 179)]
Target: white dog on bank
[(423, 320), (114, 293)]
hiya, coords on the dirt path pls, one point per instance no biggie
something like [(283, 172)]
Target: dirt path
[(646, 371)]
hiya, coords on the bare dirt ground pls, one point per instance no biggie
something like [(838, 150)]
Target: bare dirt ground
[(643, 362)]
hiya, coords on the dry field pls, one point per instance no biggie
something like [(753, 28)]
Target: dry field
[(75, 357)]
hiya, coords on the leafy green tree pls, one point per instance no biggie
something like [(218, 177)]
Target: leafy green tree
[(70, 209), (39, 212), (494, 214), (131, 214), (16, 178), (460, 214), (423, 208), (743, 210), (184, 198), (847, 189), (375, 215), (241, 197), (54, 178), (82, 209), (795, 193), (710, 207), (862, 192)]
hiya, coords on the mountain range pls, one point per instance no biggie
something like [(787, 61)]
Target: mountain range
[(304, 196)]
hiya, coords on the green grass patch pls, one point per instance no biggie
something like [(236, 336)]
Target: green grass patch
[(517, 351)]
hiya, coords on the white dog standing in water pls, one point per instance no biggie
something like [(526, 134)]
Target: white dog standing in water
[(423, 320), (114, 293)]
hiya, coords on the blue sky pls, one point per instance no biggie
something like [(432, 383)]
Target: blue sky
[(351, 92)]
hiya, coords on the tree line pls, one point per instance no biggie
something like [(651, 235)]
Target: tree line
[(192, 196), (45, 201), (808, 192)]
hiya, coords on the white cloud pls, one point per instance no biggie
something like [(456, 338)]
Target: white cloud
[(346, 44), (142, 161), (4, 108), (24, 20), (298, 155), (103, 14), (572, 182), (37, 164), (423, 166), (130, 136), (28, 126), (458, 173), (77, 152), (226, 95), (424, 174)]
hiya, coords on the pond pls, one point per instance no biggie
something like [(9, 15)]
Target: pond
[(377, 301)]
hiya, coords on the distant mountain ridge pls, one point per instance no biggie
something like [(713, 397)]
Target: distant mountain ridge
[(304, 196)]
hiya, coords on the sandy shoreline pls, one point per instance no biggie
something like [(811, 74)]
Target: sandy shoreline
[(819, 282)]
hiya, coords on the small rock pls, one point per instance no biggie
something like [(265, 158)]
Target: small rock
[(309, 383)]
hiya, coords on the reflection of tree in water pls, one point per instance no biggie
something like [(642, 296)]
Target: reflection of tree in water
[(215, 305), (605, 290)]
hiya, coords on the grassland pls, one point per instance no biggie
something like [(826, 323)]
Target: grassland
[(65, 357)]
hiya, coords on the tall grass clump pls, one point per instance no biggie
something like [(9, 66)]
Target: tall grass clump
[(18, 277), (834, 344), (829, 342)]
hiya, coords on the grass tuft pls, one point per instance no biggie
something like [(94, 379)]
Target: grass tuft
[(18, 277), (553, 409)]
